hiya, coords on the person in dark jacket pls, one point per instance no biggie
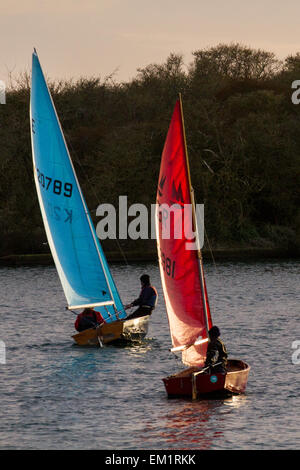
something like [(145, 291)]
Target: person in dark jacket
[(89, 318), (216, 352), (147, 300)]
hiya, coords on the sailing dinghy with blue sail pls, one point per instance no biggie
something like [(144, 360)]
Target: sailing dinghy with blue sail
[(79, 258)]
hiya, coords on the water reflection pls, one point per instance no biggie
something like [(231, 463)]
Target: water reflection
[(192, 425), (139, 349), (136, 348), (236, 401), (187, 425)]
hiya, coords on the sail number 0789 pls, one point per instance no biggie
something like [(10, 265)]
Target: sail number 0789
[(56, 185), (168, 265)]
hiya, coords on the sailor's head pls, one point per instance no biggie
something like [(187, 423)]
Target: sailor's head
[(214, 332), (88, 310), (145, 280)]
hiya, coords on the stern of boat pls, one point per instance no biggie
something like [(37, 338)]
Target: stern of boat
[(87, 337)]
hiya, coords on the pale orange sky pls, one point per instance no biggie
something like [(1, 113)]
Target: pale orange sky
[(95, 37)]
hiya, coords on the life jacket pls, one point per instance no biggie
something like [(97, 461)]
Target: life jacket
[(216, 352)]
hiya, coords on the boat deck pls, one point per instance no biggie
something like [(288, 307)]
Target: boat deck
[(233, 365)]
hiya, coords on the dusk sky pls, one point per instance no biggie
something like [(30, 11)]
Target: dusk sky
[(96, 37)]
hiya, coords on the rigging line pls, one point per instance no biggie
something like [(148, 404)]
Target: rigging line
[(177, 359), (210, 249), (94, 192), (207, 239)]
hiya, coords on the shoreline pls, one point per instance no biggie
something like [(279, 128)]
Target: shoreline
[(228, 254)]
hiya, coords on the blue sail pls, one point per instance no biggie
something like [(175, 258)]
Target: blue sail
[(77, 253)]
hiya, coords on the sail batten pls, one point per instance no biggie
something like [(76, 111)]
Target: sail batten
[(97, 304), (181, 271), (77, 253)]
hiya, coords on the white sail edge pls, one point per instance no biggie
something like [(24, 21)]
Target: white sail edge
[(186, 346)]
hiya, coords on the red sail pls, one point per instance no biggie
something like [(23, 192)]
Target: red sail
[(179, 266)]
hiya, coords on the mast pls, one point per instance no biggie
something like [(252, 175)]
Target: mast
[(199, 254)]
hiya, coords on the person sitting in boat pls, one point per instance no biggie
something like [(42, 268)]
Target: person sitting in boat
[(216, 352), (146, 301), (89, 318)]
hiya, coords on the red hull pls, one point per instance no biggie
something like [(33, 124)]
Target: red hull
[(233, 382)]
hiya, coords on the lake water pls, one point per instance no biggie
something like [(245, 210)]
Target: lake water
[(55, 395)]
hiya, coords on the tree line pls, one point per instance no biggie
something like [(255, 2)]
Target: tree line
[(242, 134)]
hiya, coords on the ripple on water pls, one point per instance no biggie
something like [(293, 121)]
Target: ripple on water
[(55, 395)]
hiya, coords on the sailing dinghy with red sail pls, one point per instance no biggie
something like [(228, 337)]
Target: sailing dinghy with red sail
[(182, 275)]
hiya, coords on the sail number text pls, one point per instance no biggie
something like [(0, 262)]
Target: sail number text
[(168, 265), (55, 185)]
